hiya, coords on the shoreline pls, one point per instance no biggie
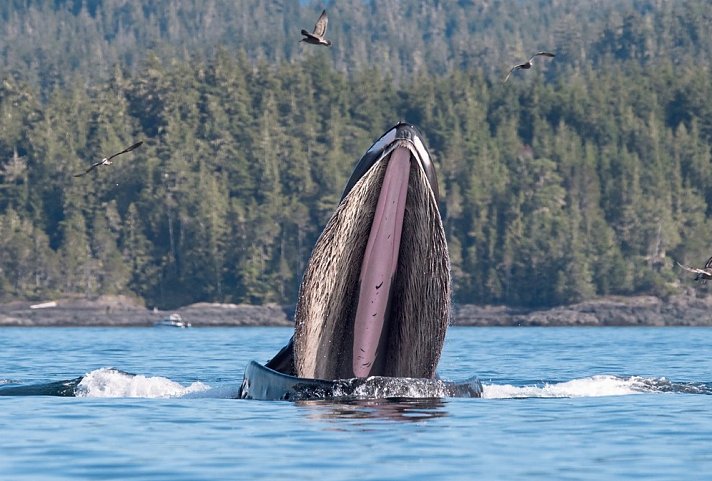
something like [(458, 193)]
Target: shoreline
[(123, 311)]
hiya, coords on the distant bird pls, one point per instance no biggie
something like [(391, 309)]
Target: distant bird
[(528, 64), (317, 36), (704, 274), (107, 160)]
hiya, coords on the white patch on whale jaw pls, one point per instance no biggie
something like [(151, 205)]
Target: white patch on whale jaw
[(421, 291), (386, 139)]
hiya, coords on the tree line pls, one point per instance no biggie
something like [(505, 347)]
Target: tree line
[(53, 42), (553, 192), (563, 184)]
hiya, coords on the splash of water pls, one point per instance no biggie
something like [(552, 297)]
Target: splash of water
[(586, 387), (380, 388), (109, 382), (594, 386)]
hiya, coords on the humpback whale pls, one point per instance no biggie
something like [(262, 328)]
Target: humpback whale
[(374, 301)]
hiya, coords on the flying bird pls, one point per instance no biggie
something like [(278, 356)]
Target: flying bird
[(107, 160), (317, 36), (528, 64), (703, 274)]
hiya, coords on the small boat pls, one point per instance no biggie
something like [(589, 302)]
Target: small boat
[(173, 320)]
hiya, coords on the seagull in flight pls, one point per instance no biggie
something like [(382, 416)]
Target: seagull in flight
[(703, 274), (317, 35), (107, 160), (528, 64)]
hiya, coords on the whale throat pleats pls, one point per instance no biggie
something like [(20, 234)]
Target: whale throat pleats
[(415, 316)]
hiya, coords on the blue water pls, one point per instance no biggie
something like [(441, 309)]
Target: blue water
[(559, 404)]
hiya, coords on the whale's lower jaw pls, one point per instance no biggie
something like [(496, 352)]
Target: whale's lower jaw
[(370, 305), (265, 384)]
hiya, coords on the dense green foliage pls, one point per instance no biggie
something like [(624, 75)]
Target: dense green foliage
[(48, 39), (581, 178)]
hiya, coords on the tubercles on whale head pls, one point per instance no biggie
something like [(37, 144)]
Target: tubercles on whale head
[(408, 135)]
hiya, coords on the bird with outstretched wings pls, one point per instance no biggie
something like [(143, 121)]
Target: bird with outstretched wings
[(703, 274), (316, 37), (528, 64), (107, 160)]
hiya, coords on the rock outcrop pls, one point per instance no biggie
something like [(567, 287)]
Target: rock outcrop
[(682, 310)]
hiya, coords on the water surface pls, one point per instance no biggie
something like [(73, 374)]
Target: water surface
[(559, 403)]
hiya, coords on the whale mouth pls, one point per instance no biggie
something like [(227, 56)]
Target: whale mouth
[(375, 296), (379, 266)]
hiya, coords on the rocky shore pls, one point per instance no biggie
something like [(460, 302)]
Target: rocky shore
[(123, 311), (682, 310)]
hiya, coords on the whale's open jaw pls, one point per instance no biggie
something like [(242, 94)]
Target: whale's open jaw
[(374, 300), (379, 266)]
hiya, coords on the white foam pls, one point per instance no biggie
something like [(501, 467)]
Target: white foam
[(108, 382), (593, 386), (376, 387), (218, 392)]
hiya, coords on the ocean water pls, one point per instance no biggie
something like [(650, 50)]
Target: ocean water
[(558, 404)]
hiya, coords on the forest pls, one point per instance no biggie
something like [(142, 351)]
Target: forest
[(587, 176)]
